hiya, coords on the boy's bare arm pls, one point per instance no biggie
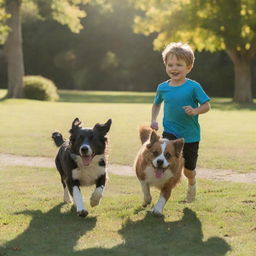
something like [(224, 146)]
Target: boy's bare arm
[(154, 115), (203, 108)]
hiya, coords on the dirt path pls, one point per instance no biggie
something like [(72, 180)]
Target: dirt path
[(225, 175)]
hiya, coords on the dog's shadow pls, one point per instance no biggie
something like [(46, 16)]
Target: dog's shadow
[(153, 236), (55, 233), (49, 233)]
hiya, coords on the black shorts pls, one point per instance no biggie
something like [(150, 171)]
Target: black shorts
[(190, 151)]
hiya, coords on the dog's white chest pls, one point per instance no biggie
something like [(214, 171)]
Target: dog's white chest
[(153, 180), (87, 175)]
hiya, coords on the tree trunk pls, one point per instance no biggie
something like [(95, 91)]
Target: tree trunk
[(243, 81), (13, 51), (243, 76)]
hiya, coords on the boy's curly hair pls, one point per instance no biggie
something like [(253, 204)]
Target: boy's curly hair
[(181, 51)]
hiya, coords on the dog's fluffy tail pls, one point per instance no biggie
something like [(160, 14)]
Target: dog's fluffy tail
[(58, 139), (144, 132)]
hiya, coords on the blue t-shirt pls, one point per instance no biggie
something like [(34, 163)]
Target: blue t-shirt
[(175, 120)]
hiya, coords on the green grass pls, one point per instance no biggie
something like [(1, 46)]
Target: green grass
[(105, 96), (34, 221), (228, 130)]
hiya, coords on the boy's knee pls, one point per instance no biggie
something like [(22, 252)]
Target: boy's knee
[(190, 174)]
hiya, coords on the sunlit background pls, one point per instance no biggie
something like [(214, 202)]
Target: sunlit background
[(117, 44)]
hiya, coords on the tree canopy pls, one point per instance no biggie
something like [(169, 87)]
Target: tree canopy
[(207, 24), (3, 27), (211, 25), (99, 57), (66, 12)]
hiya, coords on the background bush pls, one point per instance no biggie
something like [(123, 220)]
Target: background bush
[(40, 88)]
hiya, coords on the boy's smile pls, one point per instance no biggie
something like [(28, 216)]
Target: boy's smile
[(177, 70)]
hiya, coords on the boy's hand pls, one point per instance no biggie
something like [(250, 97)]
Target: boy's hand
[(190, 111), (154, 125)]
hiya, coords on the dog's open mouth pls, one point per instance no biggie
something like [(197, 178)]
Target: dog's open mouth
[(159, 172), (87, 159)]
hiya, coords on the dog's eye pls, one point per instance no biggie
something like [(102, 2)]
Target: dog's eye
[(167, 155), (155, 153)]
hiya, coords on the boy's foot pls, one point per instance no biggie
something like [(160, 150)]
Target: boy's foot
[(191, 193)]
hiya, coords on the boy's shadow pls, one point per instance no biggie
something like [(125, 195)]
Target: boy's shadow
[(153, 236), (54, 233)]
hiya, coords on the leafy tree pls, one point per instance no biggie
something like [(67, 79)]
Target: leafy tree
[(66, 12), (99, 57), (3, 26), (213, 25)]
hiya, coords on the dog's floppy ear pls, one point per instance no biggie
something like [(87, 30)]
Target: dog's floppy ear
[(153, 138), (178, 145), (75, 124), (103, 128)]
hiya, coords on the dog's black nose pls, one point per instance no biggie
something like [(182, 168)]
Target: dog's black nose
[(159, 162), (84, 150)]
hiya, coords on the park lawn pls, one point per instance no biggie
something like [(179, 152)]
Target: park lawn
[(34, 221), (228, 130)]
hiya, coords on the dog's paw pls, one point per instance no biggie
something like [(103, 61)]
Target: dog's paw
[(191, 193), (146, 203), (156, 212), (96, 196), (82, 213), (147, 200)]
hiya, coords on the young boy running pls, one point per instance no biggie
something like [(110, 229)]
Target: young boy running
[(184, 100)]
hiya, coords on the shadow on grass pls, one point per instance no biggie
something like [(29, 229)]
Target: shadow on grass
[(153, 236), (49, 234), (55, 234)]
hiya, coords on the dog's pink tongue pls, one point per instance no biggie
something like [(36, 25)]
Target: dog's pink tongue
[(159, 172), (87, 160)]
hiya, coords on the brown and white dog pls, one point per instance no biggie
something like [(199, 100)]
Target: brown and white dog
[(159, 163)]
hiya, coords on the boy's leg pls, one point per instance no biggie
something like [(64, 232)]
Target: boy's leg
[(190, 154), (191, 175), (191, 192)]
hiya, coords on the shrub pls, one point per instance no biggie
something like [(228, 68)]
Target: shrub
[(40, 88)]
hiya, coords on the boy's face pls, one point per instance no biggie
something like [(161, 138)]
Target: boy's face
[(177, 69)]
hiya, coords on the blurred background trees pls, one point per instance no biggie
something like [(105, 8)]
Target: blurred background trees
[(3, 26), (66, 12), (213, 25), (119, 44)]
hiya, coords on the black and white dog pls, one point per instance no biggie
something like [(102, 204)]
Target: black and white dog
[(81, 161)]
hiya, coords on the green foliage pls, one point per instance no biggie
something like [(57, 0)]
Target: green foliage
[(211, 25), (206, 24), (66, 12), (40, 88), (81, 61), (3, 27), (107, 55), (30, 12)]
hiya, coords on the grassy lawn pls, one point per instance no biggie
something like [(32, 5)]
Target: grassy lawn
[(228, 130), (34, 221)]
